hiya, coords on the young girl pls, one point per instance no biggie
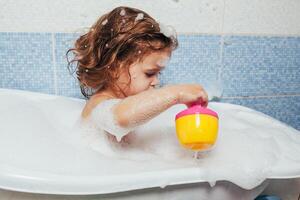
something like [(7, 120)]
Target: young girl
[(118, 63)]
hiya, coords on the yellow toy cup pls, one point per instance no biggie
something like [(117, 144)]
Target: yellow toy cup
[(197, 128)]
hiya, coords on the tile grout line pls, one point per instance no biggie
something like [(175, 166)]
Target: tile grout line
[(220, 70), (261, 97), (223, 17), (54, 63), (226, 34), (238, 34), (189, 33)]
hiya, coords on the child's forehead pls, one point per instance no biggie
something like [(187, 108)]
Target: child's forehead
[(158, 59)]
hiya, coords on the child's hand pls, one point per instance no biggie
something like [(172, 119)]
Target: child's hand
[(191, 94)]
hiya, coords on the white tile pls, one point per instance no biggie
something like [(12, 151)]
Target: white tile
[(275, 17), (194, 16)]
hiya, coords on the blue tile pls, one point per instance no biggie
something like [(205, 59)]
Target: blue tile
[(261, 65), (26, 62), (67, 83), (252, 66), (285, 109), (195, 61)]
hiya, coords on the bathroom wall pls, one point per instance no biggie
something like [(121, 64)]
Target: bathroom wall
[(250, 47)]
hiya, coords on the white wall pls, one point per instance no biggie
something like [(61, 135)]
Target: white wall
[(258, 17)]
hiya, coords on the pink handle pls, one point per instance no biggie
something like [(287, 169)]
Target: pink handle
[(196, 109)]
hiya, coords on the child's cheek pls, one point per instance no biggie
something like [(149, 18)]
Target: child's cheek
[(134, 77)]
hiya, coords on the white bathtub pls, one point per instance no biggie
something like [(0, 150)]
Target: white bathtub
[(36, 161)]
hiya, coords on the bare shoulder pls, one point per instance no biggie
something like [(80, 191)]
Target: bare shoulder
[(92, 103)]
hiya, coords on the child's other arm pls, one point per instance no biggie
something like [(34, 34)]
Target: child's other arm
[(138, 109)]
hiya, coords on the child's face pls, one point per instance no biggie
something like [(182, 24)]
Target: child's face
[(144, 74)]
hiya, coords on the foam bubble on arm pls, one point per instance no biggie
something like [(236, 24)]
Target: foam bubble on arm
[(121, 116), (103, 117)]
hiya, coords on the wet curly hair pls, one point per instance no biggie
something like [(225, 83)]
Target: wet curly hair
[(123, 36)]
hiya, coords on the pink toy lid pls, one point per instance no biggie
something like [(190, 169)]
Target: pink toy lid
[(197, 109)]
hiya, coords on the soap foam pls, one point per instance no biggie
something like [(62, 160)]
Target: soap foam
[(249, 145), (140, 16)]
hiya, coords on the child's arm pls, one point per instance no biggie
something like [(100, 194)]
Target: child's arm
[(137, 109)]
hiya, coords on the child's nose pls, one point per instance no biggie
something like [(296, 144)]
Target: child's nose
[(155, 81)]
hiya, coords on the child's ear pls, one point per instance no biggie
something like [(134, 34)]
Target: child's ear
[(122, 68), (114, 73), (118, 71)]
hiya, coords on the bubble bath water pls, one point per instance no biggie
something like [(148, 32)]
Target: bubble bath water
[(46, 147), (250, 145)]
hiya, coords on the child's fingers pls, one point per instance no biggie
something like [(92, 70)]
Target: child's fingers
[(204, 99), (204, 104), (190, 104), (204, 95), (200, 101)]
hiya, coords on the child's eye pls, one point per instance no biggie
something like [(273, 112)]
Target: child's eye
[(150, 74)]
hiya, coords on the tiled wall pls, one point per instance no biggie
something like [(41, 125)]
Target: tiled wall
[(256, 71)]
